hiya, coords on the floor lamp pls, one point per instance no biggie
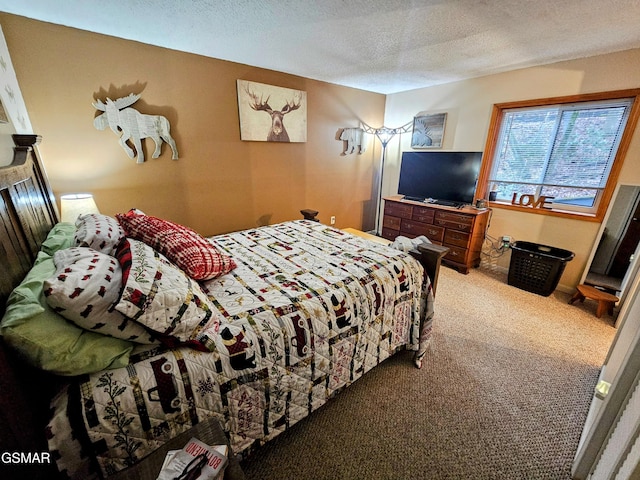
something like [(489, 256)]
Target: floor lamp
[(384, 134)]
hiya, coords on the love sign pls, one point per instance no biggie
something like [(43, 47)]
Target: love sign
[(528, 200)]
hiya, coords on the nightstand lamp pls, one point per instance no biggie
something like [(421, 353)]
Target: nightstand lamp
[(74, 204)]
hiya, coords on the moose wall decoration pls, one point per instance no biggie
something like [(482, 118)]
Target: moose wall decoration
[(132, 125), (260, 119)]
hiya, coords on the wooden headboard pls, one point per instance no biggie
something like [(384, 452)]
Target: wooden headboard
[(28, 211)]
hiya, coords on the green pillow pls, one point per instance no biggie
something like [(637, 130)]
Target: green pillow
[(60, 237), (48, 341)]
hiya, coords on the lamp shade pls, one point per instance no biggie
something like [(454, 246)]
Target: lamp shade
[(74, 204)]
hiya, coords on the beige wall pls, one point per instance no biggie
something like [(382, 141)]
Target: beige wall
[(468, 105), (220, 183)]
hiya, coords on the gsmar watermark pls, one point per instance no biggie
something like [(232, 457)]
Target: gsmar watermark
[(27, 458)]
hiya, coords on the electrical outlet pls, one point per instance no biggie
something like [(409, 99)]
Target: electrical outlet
[(333, 220), (506, 240)]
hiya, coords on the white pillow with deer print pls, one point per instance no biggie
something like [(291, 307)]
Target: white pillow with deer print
[(100, 232), (85, 289)]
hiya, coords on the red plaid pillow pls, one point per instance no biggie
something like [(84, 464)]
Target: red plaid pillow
[(194, 254)]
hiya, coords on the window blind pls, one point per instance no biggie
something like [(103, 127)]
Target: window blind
[(564, 150)]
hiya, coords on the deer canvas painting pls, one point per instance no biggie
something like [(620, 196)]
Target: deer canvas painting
[(271, 114)]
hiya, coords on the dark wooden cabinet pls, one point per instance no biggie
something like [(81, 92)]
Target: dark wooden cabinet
[(461, 230)]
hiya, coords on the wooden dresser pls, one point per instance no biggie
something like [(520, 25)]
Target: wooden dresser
[(462, 230)]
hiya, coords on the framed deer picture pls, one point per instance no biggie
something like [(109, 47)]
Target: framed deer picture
[(271, 114)]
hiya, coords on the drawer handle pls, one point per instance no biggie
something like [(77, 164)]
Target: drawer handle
[(433, 232), (454, 254)]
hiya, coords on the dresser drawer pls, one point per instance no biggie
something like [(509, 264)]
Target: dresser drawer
[(454, 237), (434, 233), (397, 209), (412, 229), (456, 254), (463, 224), (423, 214), (389, 234), (391, 222), (454, 217)]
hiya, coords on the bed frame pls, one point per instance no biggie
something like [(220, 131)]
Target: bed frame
[(28, 211)]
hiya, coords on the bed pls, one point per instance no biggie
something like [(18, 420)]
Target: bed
[(303, 311)]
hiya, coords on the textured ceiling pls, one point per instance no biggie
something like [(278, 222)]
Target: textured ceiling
[(383, 46)]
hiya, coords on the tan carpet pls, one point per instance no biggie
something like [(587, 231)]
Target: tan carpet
[(503, 394)]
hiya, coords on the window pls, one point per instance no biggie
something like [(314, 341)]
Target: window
[(558, 155)]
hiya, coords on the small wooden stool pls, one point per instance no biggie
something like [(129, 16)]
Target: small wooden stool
[(605, 300)]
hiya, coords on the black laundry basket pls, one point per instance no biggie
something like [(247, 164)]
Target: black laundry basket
[(537, 268)]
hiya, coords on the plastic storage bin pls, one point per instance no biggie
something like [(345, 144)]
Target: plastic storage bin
[(537, 268)]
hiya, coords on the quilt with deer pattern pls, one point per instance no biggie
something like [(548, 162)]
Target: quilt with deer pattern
[(308, 310)]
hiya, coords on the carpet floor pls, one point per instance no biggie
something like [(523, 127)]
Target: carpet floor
[(503, 394)]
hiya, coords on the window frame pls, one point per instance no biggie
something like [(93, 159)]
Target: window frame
[(493, 136)]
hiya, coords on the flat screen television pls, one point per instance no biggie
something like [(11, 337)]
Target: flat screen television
[(447, 178)]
